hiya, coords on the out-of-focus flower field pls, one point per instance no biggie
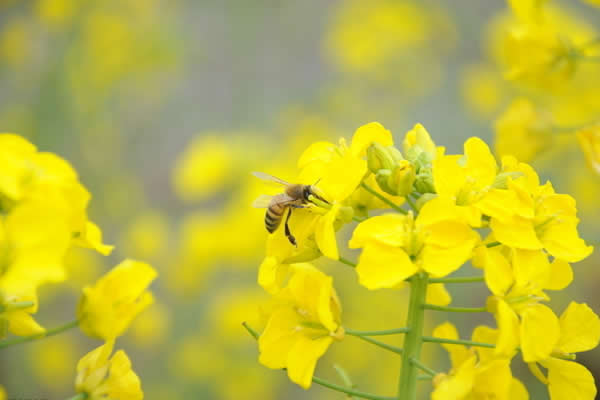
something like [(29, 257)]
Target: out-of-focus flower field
[(164, 108)]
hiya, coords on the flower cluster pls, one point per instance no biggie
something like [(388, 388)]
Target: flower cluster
[(43, 210), (440, 211)]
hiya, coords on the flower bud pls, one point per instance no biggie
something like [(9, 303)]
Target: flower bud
[(424, 181), (382, 177), (416, 142), (402, 178), (379, 157)]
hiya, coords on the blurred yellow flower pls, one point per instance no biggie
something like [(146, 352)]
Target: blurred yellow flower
[(147, 236), (107, 309), (482, 90), (57, 13), (206, 166), (101, 376), (16, 42), (522, 131), (589, 140), (151, 327), (53, 362), (302, 326)]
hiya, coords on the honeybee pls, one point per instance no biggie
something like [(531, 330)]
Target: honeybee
[(295, 195)]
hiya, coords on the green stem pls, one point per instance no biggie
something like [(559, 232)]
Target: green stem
[(423, 367), (347, 262), (79, 396), (19, 305), (383, 198), (407, 388), (325, 383), (493, 244), (424, 377), (454, 309), (47, 333), (377, 333), (430, 339), (466, 279), (412, 204), (345, 378), (386, 346), (350, 392)]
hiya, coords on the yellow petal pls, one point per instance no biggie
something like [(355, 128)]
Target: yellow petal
[(303, 357), (518, 391), (367, 134), (272, 274), (448, 176), (325, 233), (492, 380), (458, 353), (508, 330), (568, 380), (579, 329), (21, 323), (561, 275), (563, 242), (438, 295), (485, 334), (481, 164), (530, 266), (387, 229), (516, 232), (497, 270), (458, 386), (440, 261), (503, 204), (342, 176), (318, 151), (381, 266), (534, 320), (278, 338)]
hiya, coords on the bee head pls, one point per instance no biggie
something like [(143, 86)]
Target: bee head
[(310, 190)]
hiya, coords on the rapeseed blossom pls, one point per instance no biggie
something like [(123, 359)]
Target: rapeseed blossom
[(530, 240)]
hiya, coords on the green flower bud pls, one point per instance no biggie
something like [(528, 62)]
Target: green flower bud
[(424, 181), (382, 177), (379, 157), (402, 178), (345, 214)]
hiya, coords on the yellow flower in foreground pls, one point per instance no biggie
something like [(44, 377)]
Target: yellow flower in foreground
[(304, 323), (589, 140), (397, 246), (472, 377), (107, 308), (102, 377), (579, 331), (518, 278), (16, 306)]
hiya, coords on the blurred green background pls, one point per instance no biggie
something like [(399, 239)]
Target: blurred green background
[(164, 107)]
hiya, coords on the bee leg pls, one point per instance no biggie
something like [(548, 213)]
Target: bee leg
[(289, 235)]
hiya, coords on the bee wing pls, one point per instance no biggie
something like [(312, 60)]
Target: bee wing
[(262, 201), (270, 178)]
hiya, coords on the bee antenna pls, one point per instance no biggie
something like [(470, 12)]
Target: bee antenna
[(318, 180)]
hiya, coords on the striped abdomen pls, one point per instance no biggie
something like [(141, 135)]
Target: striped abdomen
[(275, 212)]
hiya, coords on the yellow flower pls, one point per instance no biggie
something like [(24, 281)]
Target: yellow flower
[(541, 219), (517, 279), (107, 308), (206, 167), (101, 376), (482, 90), (589, 140), (522, 131), (303, 324), (474, 379), (17, 303), (397, 246)]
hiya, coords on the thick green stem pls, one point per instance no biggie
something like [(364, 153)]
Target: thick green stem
[(407, 389), (49, 332), (383, 198)]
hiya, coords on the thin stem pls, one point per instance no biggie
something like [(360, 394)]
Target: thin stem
[(412, 204), (79, 396), (345, 377), (358, 219), (460, 279), (377, 333), (424, 377), (350, 392), (383, 198), (430, 339), (454, 309), (493, 244), (386, 346), (47, 333), (423, 367), (407, 388), (19, 305), (347, 262), (251, 331)]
